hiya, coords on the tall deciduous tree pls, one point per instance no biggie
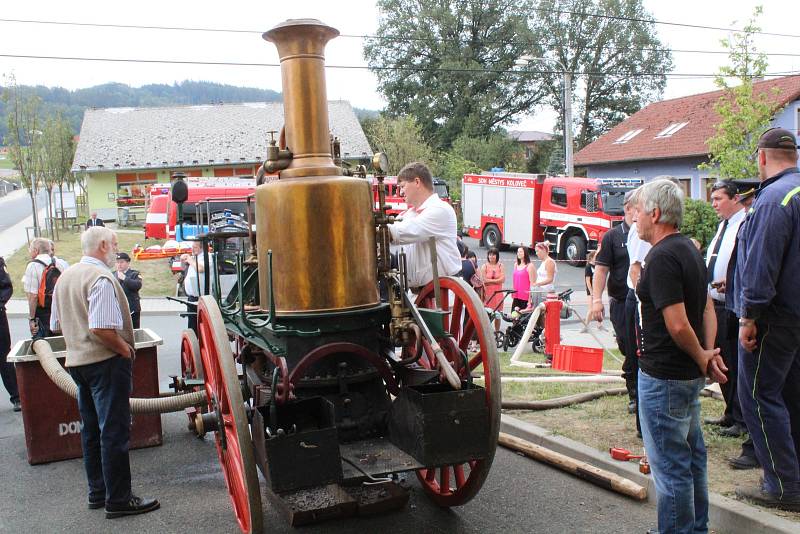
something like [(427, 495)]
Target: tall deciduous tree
[(58, 149), (452, 64), (400, 138), (24, 138), (613, 60), (744, 114)]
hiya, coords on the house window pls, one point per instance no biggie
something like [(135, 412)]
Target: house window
[(558, 196), (670, 130), (628, 136)]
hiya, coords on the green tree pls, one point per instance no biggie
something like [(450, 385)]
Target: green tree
[(699, 220), (24, 138), (540, 159), (608, 55), (496, 150), (451, 64), (400, 138), (744, 113), (451, 168), (58, 150)]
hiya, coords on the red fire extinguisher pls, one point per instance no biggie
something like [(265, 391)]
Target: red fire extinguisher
[(552, 323)]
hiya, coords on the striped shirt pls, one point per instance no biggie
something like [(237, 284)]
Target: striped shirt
[(104, 310)]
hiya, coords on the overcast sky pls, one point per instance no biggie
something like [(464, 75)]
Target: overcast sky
[(354, 17)]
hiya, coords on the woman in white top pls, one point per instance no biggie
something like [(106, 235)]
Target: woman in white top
[(545, 274)]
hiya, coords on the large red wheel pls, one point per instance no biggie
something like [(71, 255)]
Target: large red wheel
[(191, 367), (191, 363), (454, 485), (224, 394)]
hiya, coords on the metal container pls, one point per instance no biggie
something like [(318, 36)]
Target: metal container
[(438, 425), (306, 451), (317, 223), (50, 417)]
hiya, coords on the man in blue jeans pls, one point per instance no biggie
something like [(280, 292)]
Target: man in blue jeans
[(678, 327)]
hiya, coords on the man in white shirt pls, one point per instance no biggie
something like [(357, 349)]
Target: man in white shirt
[(725, 201), (194, 283), (38, 316), (428, 216), (61, 263)]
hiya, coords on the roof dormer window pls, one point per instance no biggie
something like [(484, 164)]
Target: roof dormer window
[(628, 136), (670, 130)]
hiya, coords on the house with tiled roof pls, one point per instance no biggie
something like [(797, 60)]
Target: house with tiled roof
[(530, 139), (121, 152), (669, 138)]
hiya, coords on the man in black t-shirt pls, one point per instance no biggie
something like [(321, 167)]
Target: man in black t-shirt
[(612, 263), (678, 327)]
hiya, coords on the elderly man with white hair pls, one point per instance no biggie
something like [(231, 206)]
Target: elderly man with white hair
[(678, 328), (91, 310)]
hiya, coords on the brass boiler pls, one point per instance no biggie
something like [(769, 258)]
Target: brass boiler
[(317, 223)]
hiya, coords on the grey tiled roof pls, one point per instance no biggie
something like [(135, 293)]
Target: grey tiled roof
[(529, 136), (139, 138)]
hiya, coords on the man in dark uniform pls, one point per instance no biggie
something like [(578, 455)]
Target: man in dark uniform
[(7, 372), (94, 221), (131, 282), (611, 264), (766, 296), (746, 190)]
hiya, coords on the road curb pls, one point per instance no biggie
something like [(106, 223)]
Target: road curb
[(725, 514)]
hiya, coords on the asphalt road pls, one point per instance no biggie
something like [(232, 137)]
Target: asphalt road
[(520, 495), (15, 209)]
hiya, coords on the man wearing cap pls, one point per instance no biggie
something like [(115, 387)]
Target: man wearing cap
[(131, 282), (725, 201), (766, 302)]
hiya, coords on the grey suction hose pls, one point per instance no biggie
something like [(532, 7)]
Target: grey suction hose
[(65, 383)]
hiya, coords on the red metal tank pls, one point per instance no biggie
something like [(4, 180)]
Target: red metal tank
[(552, 323)]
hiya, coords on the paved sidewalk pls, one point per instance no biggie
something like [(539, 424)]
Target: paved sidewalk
[(150, 306)]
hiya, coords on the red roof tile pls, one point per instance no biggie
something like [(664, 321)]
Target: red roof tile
[(688, 141)]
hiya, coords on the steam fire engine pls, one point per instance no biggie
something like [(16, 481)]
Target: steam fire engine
[(521, 209)]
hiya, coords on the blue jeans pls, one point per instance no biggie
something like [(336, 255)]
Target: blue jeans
[(104, 390), (670, 416)]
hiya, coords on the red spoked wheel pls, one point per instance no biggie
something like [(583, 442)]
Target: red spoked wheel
[(191, 367), (224, 394), (454, 485), (191, 363)]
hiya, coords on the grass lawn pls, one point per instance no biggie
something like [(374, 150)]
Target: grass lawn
[(5, 162), (605, 423), (156, 275)]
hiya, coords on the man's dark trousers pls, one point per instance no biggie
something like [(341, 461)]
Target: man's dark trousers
[(104, 390), (617, 316), (728, 343), (769, 394), (7, 372), (630, 367)]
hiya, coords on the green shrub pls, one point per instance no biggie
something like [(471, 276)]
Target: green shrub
[(699, 221)]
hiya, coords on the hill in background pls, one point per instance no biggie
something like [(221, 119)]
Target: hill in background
[(111, 95)]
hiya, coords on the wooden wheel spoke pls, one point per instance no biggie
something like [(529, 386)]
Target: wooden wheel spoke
[(453, 485)]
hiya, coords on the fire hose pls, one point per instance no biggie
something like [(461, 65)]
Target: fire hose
[(65, 383), (562, 402)]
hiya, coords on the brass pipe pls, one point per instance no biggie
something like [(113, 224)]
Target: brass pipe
[(301, 44)]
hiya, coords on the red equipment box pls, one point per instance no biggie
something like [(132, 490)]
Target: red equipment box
[(577, 359), (50, 416)]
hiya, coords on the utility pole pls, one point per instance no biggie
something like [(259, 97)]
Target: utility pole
[(570, 170), (566, 104)]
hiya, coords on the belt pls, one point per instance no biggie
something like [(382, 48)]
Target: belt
[(718, 302)]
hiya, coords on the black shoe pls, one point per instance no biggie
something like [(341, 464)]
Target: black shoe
[(733, 431), (16, 406), (632, 406), (96, 505), (743, 462), (764, 498), (719, 421), (136, 505)]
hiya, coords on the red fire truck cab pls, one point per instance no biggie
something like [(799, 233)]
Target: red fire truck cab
[(522, 209), (397, 204)]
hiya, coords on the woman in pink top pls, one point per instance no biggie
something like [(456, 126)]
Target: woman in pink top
[(524, 278), (493, 277)]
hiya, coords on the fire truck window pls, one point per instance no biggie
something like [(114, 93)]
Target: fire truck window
[(558, 196)]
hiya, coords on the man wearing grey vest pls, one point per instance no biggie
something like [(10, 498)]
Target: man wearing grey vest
[(90, 309)]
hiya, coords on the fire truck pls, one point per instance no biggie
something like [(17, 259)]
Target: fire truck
[(162, 212), (396, 203), (520, 209)]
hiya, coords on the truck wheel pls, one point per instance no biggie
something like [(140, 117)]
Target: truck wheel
[(492, 236), (575, 252)]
